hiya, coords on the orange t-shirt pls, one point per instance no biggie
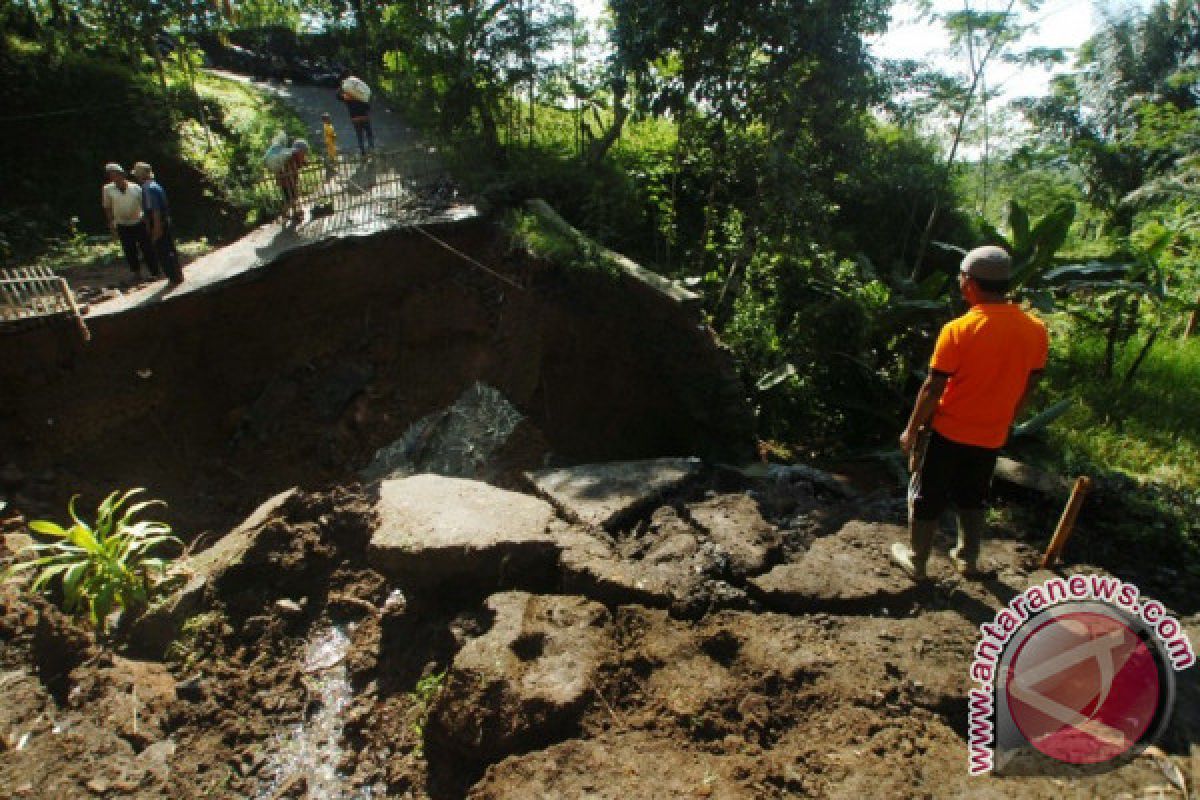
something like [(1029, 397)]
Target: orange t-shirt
[(988, 354)]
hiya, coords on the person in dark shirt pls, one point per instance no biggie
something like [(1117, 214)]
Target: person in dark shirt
[(357, 97), (158, 222)]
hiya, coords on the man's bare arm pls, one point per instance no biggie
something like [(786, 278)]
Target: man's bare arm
[(108, 212), (923, 408)]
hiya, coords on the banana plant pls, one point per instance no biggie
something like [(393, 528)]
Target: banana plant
[(1032, 245), (103, 566)]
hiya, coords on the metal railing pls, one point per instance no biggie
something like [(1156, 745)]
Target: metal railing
[(384, 186), (30, 295)]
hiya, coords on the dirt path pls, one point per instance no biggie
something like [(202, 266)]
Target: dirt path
[(402, 184), (391, 133)]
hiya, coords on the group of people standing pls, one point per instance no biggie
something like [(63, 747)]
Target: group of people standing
[(139, 216)]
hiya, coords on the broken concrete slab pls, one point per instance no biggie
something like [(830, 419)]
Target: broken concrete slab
[(737, 528), (846, 572), (613, 494), (665, 563), (459, 441), (433, 529), (525, 683)]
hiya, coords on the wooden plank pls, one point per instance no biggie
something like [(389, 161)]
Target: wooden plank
[(1066, 523)]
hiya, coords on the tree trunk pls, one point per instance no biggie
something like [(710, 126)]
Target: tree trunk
[(1137, 362), (1190, 328), (1114, 331), (599, 148)]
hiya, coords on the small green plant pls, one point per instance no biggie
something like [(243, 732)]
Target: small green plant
[(104, 566), (422, 696)]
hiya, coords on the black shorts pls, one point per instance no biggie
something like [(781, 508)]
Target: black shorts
[(950, 473)]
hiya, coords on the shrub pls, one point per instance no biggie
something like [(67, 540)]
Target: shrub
[(104, 566)]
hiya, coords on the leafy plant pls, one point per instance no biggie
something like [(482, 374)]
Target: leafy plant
[(103, 566), (422, 695)]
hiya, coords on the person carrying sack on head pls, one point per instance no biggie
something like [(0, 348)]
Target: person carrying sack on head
[(355, 93), (985, 366), (122, 203), (285, 163)]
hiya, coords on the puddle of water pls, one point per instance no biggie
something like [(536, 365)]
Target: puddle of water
[(312, 749)]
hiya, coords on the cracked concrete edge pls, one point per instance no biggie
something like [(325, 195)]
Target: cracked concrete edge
[(663, 286)]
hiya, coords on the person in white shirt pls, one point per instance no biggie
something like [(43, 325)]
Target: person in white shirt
[(122, 202)]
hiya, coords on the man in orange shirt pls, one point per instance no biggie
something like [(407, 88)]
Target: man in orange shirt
[(985, 365)]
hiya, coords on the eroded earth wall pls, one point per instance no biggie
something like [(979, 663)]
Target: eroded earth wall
[(297, 372)]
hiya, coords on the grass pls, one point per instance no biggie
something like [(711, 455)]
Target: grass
[(1143, 444), (423, 695), (242, 121), (530, 233), (79, 252), (1150, 430)]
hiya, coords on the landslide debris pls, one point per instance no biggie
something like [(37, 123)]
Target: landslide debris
[(491, 646)]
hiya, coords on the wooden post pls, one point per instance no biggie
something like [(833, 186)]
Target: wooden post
[(1066, 524)]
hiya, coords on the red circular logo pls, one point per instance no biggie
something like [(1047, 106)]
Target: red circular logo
[(1083, 688)]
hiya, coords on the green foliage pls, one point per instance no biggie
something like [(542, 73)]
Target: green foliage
[(1149, 428), (104, 566), (422, 696), (530, 233), (76, 110)]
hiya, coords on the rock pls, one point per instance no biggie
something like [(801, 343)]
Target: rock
[(16, 543), (666, 564), (523, 684), (160, 624), (1027, 477), (288, 607), (97, 785), (462, 441), (846, 572), (736, 527), (611, 495), (818, 481), (434, 529)]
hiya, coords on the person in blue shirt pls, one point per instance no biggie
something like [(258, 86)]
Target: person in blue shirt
[(158, 221)]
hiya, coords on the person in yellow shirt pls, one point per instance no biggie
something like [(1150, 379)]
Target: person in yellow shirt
[(985, 365), (331, 151)]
